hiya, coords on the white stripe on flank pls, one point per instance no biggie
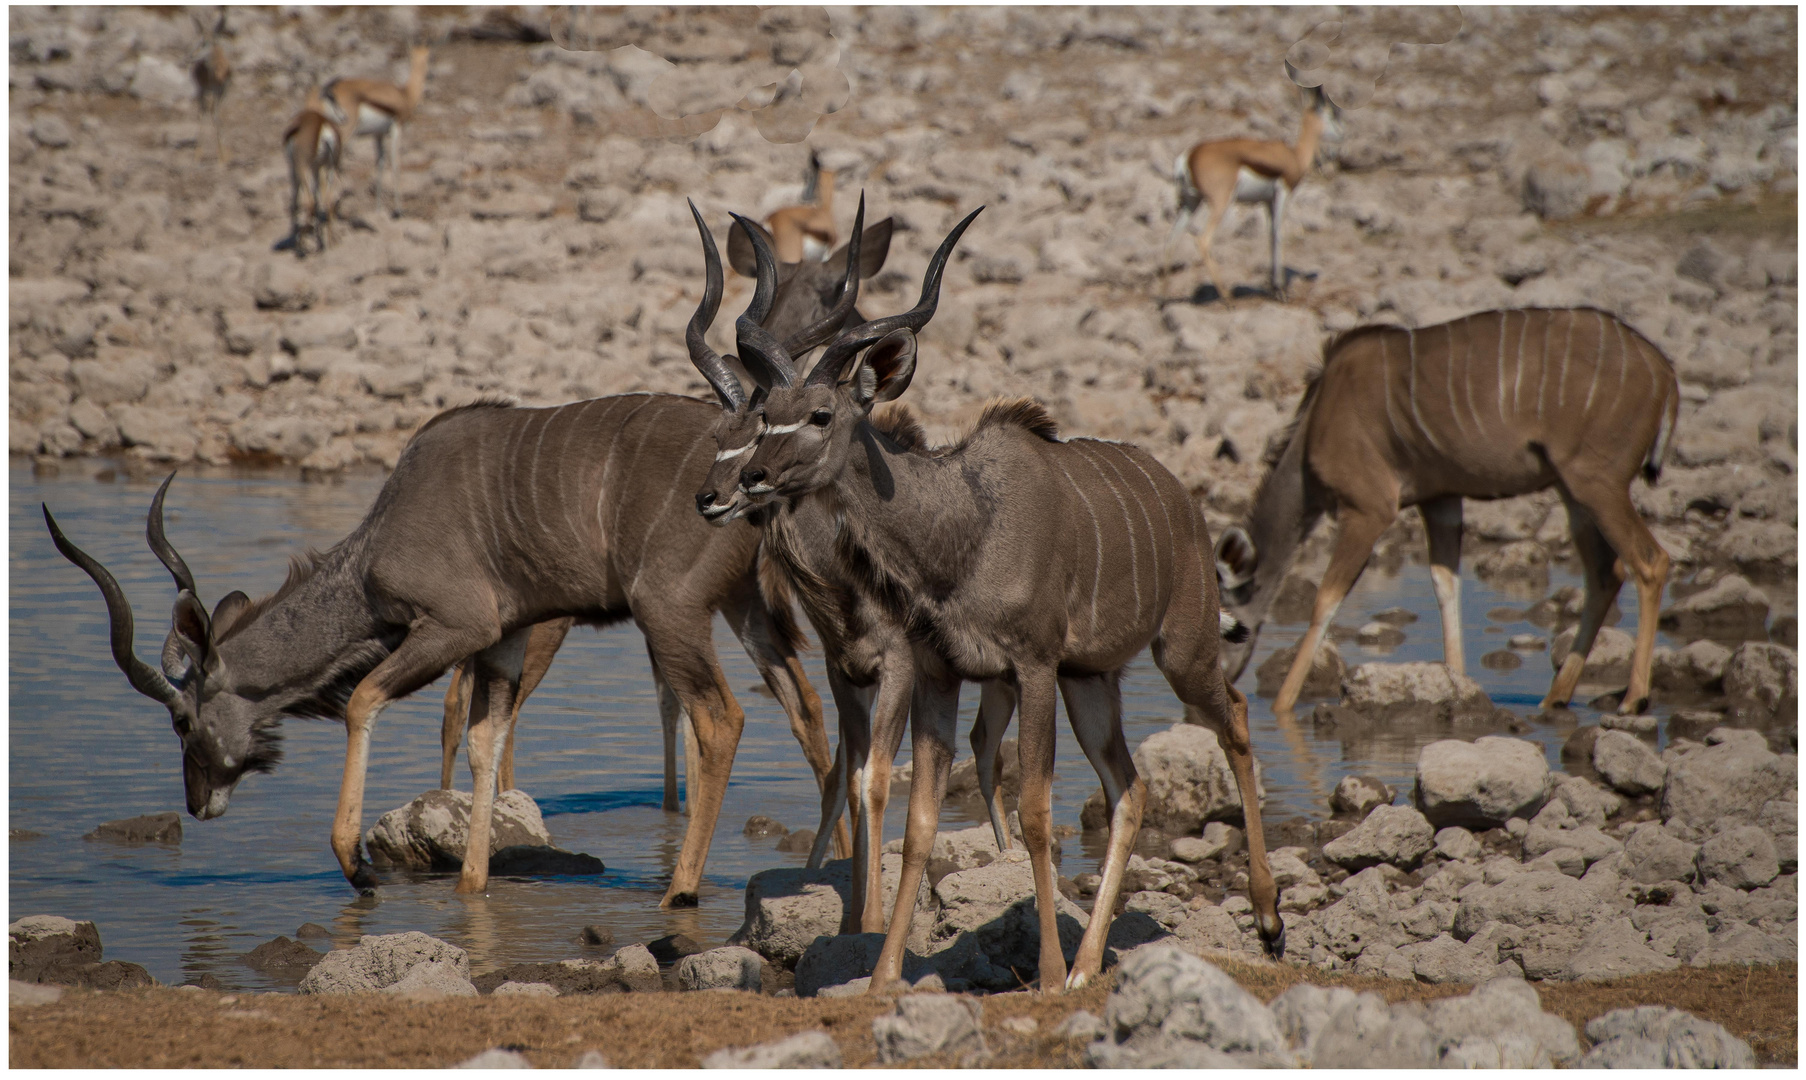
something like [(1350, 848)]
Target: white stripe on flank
[(1172, 538), (1415, 415), (1517, 380), (1154, 562), (1623, 357), (1567, 353), (1542, 375), (1097, 542), (1598, 359), (1500, 363), (726, 454), (1448, 378), (1134, 562)]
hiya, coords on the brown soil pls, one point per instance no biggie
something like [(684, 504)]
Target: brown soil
[(163, 1028)]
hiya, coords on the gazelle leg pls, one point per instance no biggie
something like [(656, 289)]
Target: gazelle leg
[(1442, 525), (1035, 689), (996, 703), (934, 719), (451, 730), (1275, 222), (423, 655), (782, 670), (1355, 536), (1218, 209), (1094, 707), (495, 680)]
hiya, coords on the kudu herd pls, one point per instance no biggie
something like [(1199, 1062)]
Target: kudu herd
[(1035, 565)]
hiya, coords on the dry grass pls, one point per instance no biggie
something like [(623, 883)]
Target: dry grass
[(164, 1028)]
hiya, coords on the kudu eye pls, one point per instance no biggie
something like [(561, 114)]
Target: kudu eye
[(822, 417)]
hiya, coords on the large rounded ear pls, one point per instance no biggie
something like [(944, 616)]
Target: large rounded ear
[(192, 630), (883, 373), (740, 254), (873, 247), (227, 612), (1237, 559)]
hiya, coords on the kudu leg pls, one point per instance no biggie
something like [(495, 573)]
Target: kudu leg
[(685, 656), (1602, 585), (495, 676), (934, 720), (1094, 707), (1355, 536), (543, 642), (1442, 526), (890, 715), (671, 725), (782, 671), (1638, 552), (1035, 690), (853, 707), (451, 729), (996, 704), (427, 651)]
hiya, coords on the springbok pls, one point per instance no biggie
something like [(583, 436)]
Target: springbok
[(805, 233), (212, 74), (1018, 556), (495, 519), (804, 303), (312, 144), (1488, 406), (1266, 171), (378, 109), (866, 648)]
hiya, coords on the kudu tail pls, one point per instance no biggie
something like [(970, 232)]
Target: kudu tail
[(1234, 630), (1664, 440), (774, 588)]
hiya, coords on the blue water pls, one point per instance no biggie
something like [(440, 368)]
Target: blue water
[(84, 749)]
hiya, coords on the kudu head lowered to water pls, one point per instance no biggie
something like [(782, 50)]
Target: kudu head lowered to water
[(227, 730)]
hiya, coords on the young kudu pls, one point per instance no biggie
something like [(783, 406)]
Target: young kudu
[(871, 668), (1492, 405), (1012, 556), (803, 303), (212, 73), (495, 519), (312, 145), (1264, 171), (378, 109)]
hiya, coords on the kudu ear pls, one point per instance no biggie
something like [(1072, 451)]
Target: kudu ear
[(884, 371), (874, 246), (740, 254), (227, 612), (1237, 559), (192, 630)]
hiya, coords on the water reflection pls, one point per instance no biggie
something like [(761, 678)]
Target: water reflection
[(85, 749)]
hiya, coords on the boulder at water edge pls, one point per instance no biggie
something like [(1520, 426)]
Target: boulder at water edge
[(1412, 688), (431, 832), (380, 961), (1481, 784), (1189, 780), (52, 949)]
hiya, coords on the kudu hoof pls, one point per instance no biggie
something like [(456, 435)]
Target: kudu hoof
[(364, 881), (680, 900), (1274, 945)]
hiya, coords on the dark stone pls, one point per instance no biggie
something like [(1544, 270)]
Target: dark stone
[(1579, 746), (1785, 631), (164, 828), (1506, 615), (208, 981), (111, 975), (798, 842), (536, 860), (282, 956), (673, 947), (1694, 724), (760, 825), (36, 951), (312, 930), (1501, 660), (1396, 616), (568, 977), (23, 834), (596, 935)]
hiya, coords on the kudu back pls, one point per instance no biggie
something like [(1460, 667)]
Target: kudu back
[(1015, 556), (1492, 405)]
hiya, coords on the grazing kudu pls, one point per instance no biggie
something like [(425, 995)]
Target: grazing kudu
[(495, 519), (212, 73), (804, 307), (1266, 171), (865, 646), (806, 233), (312, 144), (1013, 556), (378, 109), (1492, 405)]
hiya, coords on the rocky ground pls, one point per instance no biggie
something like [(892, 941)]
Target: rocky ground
[(1640, 160)]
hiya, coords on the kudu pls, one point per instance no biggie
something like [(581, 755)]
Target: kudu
[(865, 646), (495, 519), (1488, 406), (378, 109), (1012, 556), (805, 297), (212, 74), (1264, 171), (312, 145)]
